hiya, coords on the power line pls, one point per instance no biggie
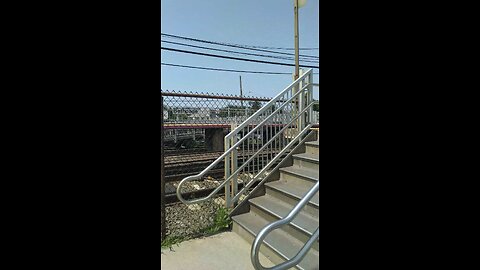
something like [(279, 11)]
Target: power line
[(275, 48), (236, 46), (243, 46), (244, 53), (230, 70), (236, 58), (255, 47)]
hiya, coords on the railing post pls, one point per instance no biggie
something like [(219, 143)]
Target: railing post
[(234, 168), (227, 172), (230, 167), (301, 104), (310, 100)]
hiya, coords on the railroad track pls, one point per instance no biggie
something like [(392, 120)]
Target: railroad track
[(190, 157), (178, 167), (171, 158), (171, 198)]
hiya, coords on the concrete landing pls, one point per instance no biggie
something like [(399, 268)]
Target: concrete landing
[(218, 252)]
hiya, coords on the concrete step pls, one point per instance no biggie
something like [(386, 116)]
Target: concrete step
[(313, 148), (291, 193), (306, 160), (278, 246), (272, 209), (299, 175)]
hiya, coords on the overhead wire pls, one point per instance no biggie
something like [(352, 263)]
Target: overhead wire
[(230, 70), (234, 45), (243, 53), (236, 58)]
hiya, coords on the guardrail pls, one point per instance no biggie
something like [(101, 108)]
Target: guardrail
[(279, 223), (294, 108)]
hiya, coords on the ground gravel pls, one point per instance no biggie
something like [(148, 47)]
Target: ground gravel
[(205, 183), (188, 221)]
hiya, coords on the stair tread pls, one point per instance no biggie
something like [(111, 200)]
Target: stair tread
[(279, 240), (313, 143), (292, 189), (307, 156), (280, 209), (301, 171)]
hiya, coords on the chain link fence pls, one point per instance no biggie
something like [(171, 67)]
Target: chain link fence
[(194, 127)]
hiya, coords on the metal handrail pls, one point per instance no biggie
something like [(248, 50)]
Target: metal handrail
[(301, 140), (197, 176), (267, 106), (284, 221), (240, 127), (274, 159)]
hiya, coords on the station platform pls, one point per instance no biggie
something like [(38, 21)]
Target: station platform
[(217, 252)]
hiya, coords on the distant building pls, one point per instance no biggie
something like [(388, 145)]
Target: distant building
[(201, 113)]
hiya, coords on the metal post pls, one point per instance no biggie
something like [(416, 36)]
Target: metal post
[(163, 229), (234, 166), (227, 173), (230, 167), (241, 92), (310, 93), (297, 65), (301, 105)]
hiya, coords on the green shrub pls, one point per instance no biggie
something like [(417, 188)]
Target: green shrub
[(221, 222)]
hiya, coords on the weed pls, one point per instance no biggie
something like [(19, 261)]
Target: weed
[(169, 241), (220, 223)]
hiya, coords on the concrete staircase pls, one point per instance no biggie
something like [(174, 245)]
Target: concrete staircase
[(277, 199)]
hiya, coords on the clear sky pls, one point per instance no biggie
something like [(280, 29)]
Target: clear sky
[(247, 22)]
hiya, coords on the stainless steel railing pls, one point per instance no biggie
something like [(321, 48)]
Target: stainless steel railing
[(279, 124), (277, 224)]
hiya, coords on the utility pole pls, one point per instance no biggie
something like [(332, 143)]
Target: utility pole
[(241, 96), (295, 10), (241, 92)]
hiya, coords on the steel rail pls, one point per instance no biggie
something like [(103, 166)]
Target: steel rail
[(273, 137), (275, 159), (277, 224), (243, 125), (272, 101), (201, 174)]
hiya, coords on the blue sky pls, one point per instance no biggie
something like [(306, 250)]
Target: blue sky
[(247, 22)]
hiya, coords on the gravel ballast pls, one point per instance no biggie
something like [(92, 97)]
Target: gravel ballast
[(188, 221)]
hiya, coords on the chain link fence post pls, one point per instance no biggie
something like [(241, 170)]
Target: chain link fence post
[(162, 176)]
